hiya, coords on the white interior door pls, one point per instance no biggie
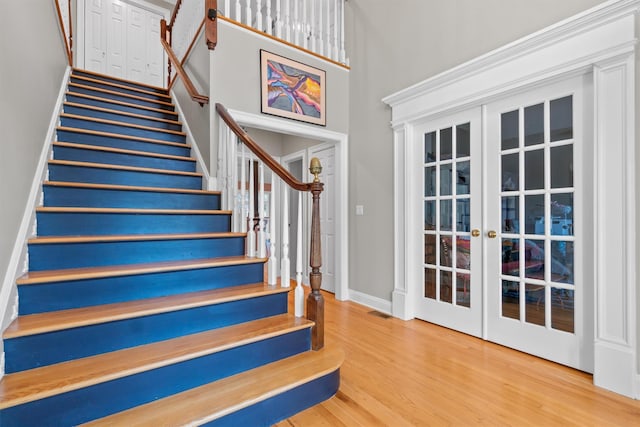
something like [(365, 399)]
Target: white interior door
[(327, 158), (96, 36), (116, 47), (539, 289), (450, 168), (136, 46)]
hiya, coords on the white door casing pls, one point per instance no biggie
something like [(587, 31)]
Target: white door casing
[(602, 41)]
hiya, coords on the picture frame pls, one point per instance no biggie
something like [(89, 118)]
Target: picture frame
[(291, 89)]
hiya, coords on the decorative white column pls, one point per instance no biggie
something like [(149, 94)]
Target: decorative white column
[(298, 296)]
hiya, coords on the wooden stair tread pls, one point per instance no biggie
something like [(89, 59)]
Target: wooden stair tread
[(130, 238), (116, 93), (121, 113), (115, 101), (48, 276), (33, 324), (95, 73), (121, 167), (119, 86), (122, 151), (128, 187), (217, 399), (62, 209), (123, 124), (121, 136), (39, 383)]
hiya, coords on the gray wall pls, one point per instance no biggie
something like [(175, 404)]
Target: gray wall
[(197, 68), (393, 45), (31, 71)]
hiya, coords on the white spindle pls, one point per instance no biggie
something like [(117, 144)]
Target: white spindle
[(299, 292), (269, 22), (304, 26), (335, 52), (222, 165), (262, 244), (251, 233), (258, 25), (273, 247), (227, 7), (278, 20), (243, 190), (247, 16), (343, 54), (296, 23), (238, 11), (320, 46), (236, 211), (285, 266), (313, 30)]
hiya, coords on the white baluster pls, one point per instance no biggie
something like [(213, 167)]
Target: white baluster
[(320, 45), (312, 26), (262, 243), (229, 170), (269, 23), (305, 26), (236, 212), (243, 190), (296, 23), (238, 11), (335, 52), (258, 25), (278, 20), (273, 247), (251, 233), (222, 165), (227, 8), (299, 292), (343, 54), (247, 16), (285, 266), (287, 20)]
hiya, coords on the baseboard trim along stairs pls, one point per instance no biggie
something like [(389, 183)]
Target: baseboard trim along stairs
[(140, 307)]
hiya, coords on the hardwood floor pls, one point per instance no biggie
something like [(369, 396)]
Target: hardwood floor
[(414, 373)]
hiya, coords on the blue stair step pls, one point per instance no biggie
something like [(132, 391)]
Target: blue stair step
[(74, 288), (96, 173), (117, 80), (54, 253), (89, 137), (121, 128), (117, 156), (286, 387), (100, 102), (53, 221), (122, 97), (79, 391), (116, 87), (120, 116), (47, 338), (72, 194)]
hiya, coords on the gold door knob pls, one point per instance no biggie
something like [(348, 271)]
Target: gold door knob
[(475, 232), (492, 234)]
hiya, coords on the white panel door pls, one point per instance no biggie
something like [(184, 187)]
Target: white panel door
[(116, 47), (136, 44), (96, 35), (449, 162), (155, 53), (539, 271), (327, 158)]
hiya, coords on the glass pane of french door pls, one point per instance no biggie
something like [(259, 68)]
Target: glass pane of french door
[(451, 208), (535, 205)]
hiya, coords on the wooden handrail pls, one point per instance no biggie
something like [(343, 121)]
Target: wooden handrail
[(315, 300), (68, 41), (191, 89)]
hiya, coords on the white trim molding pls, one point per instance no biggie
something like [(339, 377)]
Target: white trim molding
[(342, 152), (379, 304), (600, 42)]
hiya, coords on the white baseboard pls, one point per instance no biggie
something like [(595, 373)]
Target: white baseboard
[(201, 165), (382, 305)]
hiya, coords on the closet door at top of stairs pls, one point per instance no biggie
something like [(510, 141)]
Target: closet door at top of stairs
[(122, 40)]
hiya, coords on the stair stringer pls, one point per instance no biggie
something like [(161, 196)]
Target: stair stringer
[(19, 261)]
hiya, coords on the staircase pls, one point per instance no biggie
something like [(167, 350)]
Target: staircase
[(139, 306)]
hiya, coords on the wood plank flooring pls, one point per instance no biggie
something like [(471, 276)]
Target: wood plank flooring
[(414, 373)]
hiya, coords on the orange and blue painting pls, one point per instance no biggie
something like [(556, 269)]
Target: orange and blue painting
[(291, 89)]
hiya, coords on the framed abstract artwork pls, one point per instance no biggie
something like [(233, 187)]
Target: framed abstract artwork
[(291, 89)]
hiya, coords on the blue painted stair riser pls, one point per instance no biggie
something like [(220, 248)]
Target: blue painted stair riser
[(56, 256), (121, 130), (112, 198), (114, 116), (122, 159), (137, 178), (128, 90), (119, 82), (123, 143), (100, 400), (121, 98), (104, 103), (65, 295), (100, 223)]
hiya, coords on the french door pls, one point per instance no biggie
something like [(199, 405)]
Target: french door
[(505, 223)]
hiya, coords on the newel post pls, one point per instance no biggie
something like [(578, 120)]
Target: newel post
[(211, 25), (315, 301)]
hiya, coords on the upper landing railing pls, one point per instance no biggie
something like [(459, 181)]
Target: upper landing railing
[(63, 8)]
